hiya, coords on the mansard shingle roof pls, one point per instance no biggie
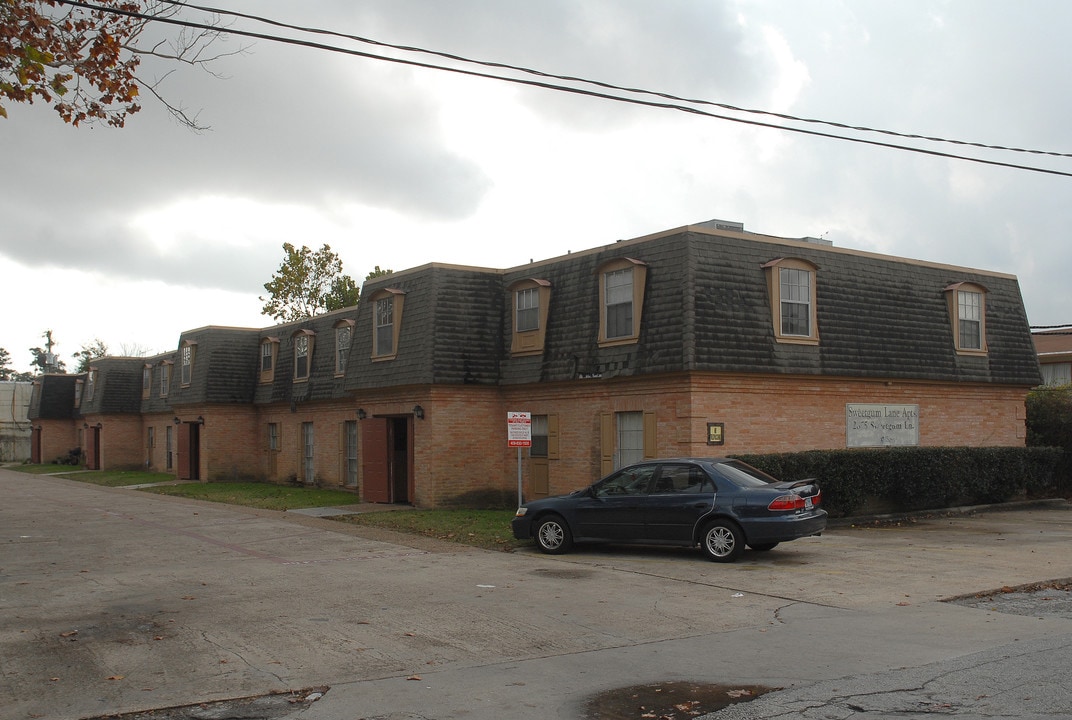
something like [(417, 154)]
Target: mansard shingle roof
[(117, 387), (224, 366), (53, 397)]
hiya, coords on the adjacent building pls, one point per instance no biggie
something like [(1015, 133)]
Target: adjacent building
[(701, 340)]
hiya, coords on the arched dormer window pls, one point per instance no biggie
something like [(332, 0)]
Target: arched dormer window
[(387, 305), (621, 300), (530, 299), (303, 354), (344, 333), (791, 289)]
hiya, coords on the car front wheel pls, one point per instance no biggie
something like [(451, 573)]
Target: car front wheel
[(722, 540), (553, 535)]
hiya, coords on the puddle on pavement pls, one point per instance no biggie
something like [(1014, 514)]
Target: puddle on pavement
[(668, 700), (260, 707)]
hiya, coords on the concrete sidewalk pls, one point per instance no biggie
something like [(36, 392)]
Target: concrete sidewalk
[(113, 601)]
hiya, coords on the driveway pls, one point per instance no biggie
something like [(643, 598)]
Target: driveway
[(113, 600)]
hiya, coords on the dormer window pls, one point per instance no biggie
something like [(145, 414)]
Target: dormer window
[(303, 354), (967, 313), (387, 307), (791, 288), (621, 293), (269, 358), (146, 380), (165, 377), (187, 353), (344, 331), (530, 299)]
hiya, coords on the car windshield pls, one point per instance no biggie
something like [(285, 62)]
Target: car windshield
[(743, 474)]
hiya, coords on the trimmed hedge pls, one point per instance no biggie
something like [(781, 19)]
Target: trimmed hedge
[(892, 480)]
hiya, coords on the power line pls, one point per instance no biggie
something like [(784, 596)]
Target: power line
[(551, 86), (609, 86)]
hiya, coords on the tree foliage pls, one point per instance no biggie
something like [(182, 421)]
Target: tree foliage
[(90, 351), (85, 61), (308, 283), (8, 373)]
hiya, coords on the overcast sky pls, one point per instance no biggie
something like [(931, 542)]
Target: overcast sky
[(134, 235)]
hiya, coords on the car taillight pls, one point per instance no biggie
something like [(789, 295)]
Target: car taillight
[(787, 502), (817, 497)]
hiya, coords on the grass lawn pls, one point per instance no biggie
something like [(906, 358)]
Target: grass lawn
[(259, 495), (489, 529)]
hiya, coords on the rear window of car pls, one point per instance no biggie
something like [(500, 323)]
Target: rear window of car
[(742, 474)]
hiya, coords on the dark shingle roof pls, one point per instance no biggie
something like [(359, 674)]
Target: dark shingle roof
[(53, 397)]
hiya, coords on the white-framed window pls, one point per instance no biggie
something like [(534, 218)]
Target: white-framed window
[(267, 357), (303, 354), (343, 336), (967, 314), (385, 326), (621, 296), (791, 285), (970, 312), (795, 298), (187, 355), (165, 378), (618, 303), (273, 437), (630, 438), (527, 307), (146, 380), (308, 468), (350, 440), (91, 384)]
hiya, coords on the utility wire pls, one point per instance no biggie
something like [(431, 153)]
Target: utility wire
[(605, 85), (550, 86)]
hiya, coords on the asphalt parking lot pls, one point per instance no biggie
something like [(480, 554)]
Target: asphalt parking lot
[(115, 601)]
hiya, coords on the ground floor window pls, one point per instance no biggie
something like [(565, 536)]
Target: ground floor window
[(350, 437), (630, 435), (308, 471), (169, 452), (273, 436)]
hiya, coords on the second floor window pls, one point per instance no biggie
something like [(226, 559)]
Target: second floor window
[(91, 384), (187, 364), (342, 347), (146, 380), (385, 326), (267, 357), (165, 379), (796, 301), (528, 309), (301, 357), (970, 311), (618, 303)]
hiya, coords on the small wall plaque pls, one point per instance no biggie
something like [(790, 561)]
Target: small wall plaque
[(716, 433)]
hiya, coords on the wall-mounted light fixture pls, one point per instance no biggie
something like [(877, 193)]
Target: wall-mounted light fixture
[(200, 419), (418, 412), (98, 426), (361, 414), (176, 421), (85, 426)]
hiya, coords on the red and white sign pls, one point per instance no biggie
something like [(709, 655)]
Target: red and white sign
[(519, 429)]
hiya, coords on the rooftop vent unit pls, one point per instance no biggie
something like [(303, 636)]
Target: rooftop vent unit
[(722, 225), (816, 241)]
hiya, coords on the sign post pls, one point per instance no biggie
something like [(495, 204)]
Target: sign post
[(519, 435)]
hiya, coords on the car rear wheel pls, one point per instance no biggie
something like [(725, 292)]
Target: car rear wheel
[(722, 540), (553, 535), (763, 547)]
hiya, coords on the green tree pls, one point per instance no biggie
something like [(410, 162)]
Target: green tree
[(84, 61), (90, 351), (308, 283), (6, 371)]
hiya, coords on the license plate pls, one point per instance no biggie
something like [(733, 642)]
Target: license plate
[(807, 503)]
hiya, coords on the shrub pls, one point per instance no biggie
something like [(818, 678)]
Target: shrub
[(909, 479)]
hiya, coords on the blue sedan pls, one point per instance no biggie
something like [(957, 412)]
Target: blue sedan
[(720, 504)]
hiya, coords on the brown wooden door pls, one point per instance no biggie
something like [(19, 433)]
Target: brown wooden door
[(375, 460), (35, 446), (93, 448), (182, 451)]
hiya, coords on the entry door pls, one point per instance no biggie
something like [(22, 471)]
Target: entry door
[(375, 459), (386, 459), (35, 446), (93, 448), (189, 458)]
